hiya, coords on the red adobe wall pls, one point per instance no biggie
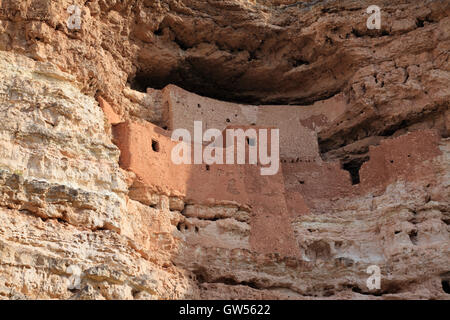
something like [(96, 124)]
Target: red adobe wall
[(401, 158), (317, 182), (111, 116), (154, 170), (301, 185), (271, 230), (404, 158), (297, 124)]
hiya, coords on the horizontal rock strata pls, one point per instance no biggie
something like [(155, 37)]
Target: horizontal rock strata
[(93, 208)]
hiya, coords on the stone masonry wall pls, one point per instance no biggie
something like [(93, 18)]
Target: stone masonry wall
[(90, 211)]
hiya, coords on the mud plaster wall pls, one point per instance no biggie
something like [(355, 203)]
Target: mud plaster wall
[(401, 158), (395, 75), (302, 182), (297, 124), (299, 186), (405, 158), (200, 184)]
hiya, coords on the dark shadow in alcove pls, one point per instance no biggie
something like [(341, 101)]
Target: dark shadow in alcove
[(353, 168), (446, 286), (196, 83)]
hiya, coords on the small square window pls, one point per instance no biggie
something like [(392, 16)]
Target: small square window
[(155, 145)]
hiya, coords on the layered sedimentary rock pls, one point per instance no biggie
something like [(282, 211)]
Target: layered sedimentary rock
[(93, 208), (63, 199)]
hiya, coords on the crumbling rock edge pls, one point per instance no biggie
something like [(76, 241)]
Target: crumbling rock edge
[(78, 225)]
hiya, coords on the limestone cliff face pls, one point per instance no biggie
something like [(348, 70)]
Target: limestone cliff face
[(364, 175)]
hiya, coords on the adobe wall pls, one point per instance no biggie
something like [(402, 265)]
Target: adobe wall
[(301, 186), (154, 170), (405, 158), (271, 230), (317, 182), (297, 124), (402, 158), (158, 174), (240, 184)]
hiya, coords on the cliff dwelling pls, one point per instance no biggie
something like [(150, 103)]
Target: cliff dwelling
[(353, 174)]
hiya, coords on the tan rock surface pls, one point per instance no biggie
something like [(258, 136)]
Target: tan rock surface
[(364, 178)]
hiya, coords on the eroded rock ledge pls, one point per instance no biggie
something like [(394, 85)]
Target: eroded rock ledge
[(364, 175)]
